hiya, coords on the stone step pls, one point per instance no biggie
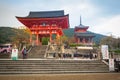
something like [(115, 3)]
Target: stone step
[(33, 70), (47, 63), (36, 52), (51, 66), (54, 65), (25, 60), (52, 69), (53, 72)]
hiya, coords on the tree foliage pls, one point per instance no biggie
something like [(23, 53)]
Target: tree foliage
[(112, 42), (64, 39), (14, 36), (5, 34), (21, 37)]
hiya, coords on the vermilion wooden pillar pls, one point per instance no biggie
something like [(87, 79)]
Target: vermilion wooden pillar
[(37, 39), (30, 38), (50, 36), (78, 39)]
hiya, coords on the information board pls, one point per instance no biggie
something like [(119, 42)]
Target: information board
[(14, 55), (111, 65), (104, 50)]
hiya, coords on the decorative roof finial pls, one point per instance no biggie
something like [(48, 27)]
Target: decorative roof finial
[(80, 20)]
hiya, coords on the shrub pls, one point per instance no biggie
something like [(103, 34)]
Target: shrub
[(45, 40)]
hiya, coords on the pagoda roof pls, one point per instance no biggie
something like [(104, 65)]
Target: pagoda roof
[(46, 14), (85, 34), (81, 26)]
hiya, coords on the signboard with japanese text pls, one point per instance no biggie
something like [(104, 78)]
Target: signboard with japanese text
[(111, 65), (104, 50)]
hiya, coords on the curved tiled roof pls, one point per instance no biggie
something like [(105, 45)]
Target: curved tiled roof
[(44, 14)]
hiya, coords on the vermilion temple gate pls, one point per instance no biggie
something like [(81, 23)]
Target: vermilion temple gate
[(45, 23)]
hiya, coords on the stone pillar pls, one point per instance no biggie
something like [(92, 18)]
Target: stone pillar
[(72, 55), (99, 56)]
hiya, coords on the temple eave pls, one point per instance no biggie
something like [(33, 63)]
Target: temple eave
[(65, 16)]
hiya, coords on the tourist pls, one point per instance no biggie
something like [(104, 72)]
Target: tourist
[(24, 53), (94, 55), (91, 55), (54, 55)]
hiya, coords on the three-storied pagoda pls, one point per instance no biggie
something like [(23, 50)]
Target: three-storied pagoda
[(82, 36), (46, 23)]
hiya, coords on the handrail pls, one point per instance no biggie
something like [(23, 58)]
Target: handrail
[(29, 50), (105, 62)]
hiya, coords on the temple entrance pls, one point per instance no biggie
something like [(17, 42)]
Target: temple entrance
[(60, 52), (45, 24)]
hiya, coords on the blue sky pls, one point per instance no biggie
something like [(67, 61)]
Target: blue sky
[(103, 16)]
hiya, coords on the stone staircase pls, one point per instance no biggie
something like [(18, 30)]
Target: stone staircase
[(51, 66), (37, 52)]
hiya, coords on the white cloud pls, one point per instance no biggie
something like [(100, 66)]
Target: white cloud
[(85, 9), (108, 26)]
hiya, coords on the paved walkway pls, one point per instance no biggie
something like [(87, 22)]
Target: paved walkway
[(81, 76)]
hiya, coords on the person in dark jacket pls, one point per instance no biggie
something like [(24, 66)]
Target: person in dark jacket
[(24, 53), (91, 55)]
